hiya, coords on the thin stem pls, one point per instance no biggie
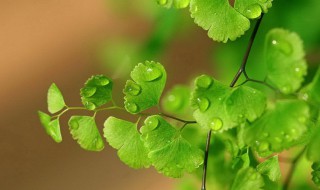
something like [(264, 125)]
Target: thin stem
[(178, 119), (292, 169), (242, 68), (205, 162)]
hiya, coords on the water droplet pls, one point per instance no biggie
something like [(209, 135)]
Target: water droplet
[(204, 81), (74, 124), (283, 46), (151, 73), (132, 88), (263, 146), (216, 124), (286, 89), (203, 104), (103, 81), (90, 105), (253, 11), (162, 2), (152, 123), (88, 91), (131, 107)]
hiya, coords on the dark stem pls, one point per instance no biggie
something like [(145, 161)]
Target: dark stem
[(205, 162), (292, 169), (242, 68), (175, 118)]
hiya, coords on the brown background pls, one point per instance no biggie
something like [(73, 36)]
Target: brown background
[(54, 41)]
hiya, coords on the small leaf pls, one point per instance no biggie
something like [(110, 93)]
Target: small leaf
[(270, 168), (248, 178), (286, 66), (316, 173), (169, 152), (252, 8), (221, 20), (313, 153), (123, 136), (55, 99), (177, 100), (311, 92), (218, 107), (52, 128), (279, 127), (245, 103), (144, 91), (96, 92), (178, 4), (85, 131)]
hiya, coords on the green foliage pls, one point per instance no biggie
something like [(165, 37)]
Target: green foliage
[(286, 66), (250, 119), (85, 131), (279, 127), (248, 178), (123, 136), (52, 128), (179, 4), (144, 91), (270, 168), (96, 92), (55, 99), (169, 152), (219, 107)]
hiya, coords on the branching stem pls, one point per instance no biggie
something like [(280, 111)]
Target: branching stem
[(241, 70), (178, 119)]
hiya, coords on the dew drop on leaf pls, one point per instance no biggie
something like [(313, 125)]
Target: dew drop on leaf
[(253, 11), (204, 81), (216, 124), (282, 46), (74, 124), (152, 73), (203, 104), (90, 105), (263, 146), (152, 123), (88, 91), (131, 107), (103, 81), (132, 89)]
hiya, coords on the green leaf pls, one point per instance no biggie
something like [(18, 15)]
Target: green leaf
[(55, 99), (313, 153), (169, 152), (85, 131), (245, 103), (144, 91), (286, 66), (252, 8), (179, 4), (219, 107), (248, 178), (177, 100), (311, 92), (221, 20), (52, 128), (316, 173), (96, 92), (279, 127), (270, 168), (123, 136)]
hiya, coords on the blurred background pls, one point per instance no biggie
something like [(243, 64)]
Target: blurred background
[(68, 41)]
